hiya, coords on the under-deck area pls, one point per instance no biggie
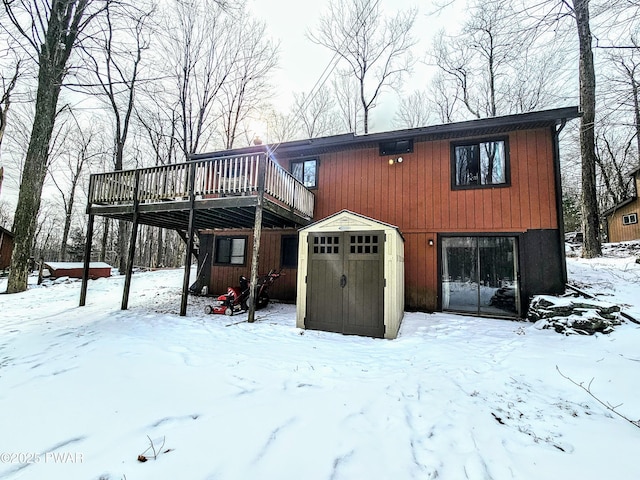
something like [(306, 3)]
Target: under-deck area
[(243, 191)]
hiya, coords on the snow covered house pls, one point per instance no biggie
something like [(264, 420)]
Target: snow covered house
[(478, 204), (622, 219)]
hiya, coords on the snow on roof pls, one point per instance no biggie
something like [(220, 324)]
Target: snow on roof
[(71, 265)]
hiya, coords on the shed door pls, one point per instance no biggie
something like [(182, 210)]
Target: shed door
[(345, 283)]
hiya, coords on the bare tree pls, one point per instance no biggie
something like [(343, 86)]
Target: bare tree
[(376, 49), (50, 31), (201, 56), (8, 85), (46, 236), (590, 218), (622, 97), (116, 66), (159, 124), (281, 127), (316, 113), (246, 88), (81, 147), (5, 214), (440, 99), (615, 157), (496, 64), (413, 110), (345, 89)]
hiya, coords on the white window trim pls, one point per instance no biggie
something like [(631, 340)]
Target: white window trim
[(630, 219)]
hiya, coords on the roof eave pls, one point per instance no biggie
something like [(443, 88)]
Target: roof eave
[(466, 128)]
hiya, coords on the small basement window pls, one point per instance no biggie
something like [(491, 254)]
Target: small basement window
[(230, 250), (478, 164), (630, 219), (396, 147), (306, 172)]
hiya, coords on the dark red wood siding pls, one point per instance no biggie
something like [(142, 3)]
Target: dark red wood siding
[(416, 196), (223, 276)]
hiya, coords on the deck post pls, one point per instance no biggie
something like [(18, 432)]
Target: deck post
[(132, 244), (187, 258), (257, 232), (87, 261)]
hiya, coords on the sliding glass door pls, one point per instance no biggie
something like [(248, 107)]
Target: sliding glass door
[(479, 275)]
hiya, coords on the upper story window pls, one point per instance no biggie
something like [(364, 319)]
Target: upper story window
[(306, 172), (630, 219), (231, 250), (479, 164)]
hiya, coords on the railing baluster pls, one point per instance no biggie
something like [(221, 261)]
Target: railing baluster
[(216, 176)]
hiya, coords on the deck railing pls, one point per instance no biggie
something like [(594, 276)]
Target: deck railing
[(236, 175)]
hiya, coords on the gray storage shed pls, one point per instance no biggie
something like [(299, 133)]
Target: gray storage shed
[(351, 276)]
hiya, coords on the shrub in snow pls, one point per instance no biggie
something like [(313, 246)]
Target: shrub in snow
[(573, 316)]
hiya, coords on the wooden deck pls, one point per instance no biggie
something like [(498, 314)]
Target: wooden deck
[(242, 191), (223, 193)]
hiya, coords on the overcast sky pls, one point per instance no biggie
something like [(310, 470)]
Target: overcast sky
[(303, 62)]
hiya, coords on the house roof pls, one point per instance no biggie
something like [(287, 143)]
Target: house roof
[(6, 232), (613, 209), (482, 126), (623, 203)]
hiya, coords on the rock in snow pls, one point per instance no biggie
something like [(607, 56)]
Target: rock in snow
[(573, 316)]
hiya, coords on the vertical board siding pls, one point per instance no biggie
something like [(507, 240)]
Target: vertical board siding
[(223, 276), (416, 196), (622, 233)]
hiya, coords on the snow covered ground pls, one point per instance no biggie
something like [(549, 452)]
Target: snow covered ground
[(84, 391)]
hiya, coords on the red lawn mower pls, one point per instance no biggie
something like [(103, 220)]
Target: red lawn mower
[(235, 300)]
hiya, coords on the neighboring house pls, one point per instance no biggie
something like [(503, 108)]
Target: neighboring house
[(478, 204), (6, 248), (622, 219)]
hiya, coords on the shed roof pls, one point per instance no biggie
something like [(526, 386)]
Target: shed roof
[(75, 265), (347, 215), (6, 232)]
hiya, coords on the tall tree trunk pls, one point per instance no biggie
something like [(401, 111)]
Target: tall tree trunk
[(35, 169), (105, 240), (636, 111), (5, 103), (68, 216), (123, 241), (590, 221), (54, 45), (160, 256)]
